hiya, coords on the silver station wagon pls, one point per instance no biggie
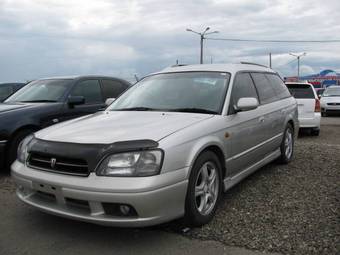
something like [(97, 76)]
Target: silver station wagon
[(165, 149)]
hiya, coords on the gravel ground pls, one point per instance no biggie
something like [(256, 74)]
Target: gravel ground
[(291, 209)]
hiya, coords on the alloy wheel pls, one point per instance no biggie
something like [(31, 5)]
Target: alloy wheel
[(206, 188)]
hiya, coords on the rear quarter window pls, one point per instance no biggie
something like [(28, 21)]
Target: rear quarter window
[(112, 88), (278, 85), (301, 91)]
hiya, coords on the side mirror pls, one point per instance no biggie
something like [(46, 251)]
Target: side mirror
[(109, 101), (75, 100), (246, 104), (319, 96)]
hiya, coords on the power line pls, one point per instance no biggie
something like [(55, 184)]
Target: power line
[(285, 64), (273, 41)]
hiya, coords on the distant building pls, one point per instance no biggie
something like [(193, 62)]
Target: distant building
[(321, 80)]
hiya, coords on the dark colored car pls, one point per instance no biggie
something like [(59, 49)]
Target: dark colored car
[(45, 102), (7, 89)]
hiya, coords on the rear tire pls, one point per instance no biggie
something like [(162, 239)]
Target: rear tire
[(287, 145), (11, 154), (315, 132), (204, 190)]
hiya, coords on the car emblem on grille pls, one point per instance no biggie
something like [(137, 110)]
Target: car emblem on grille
[(53, 162)]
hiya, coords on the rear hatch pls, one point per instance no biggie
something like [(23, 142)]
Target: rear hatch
[(305, 97)]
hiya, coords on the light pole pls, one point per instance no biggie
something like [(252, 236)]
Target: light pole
[(298, 59), (202, 37)]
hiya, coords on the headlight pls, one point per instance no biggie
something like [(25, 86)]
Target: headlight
[(22, 148), (139, 163)]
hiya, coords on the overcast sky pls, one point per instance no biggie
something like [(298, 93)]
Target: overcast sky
[(40, 38)]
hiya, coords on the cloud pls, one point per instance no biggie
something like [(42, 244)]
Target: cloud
[(41, 38)]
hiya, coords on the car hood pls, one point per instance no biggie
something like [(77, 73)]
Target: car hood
[(8, 107), (330, 99), (5, 107), (113, 126)]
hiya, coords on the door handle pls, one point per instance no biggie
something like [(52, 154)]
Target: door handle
[(261, 119)]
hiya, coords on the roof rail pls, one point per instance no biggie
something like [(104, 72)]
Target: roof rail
[(250, 63), (179, 65)]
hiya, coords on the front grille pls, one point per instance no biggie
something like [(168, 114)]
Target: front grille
[(58, 164), (333, 103)]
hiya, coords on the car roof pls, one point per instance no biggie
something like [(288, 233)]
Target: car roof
[(76, 77), (333, 87), (229, 68), (12, 83)]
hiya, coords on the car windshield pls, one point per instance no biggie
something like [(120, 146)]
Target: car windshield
[(200, 92), (41, 91), (331, 92)]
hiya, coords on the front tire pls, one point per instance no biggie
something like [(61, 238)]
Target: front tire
[(204, 190), (287, 145)]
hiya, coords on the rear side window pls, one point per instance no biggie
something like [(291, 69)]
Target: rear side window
[(112, 88), (264, 88), (278, 85), (243, 87), (301, 91), (90, 90)]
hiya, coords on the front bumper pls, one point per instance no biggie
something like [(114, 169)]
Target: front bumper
[(155, 199), (330, 108)]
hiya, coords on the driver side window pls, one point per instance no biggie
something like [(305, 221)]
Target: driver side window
[(243, 87)]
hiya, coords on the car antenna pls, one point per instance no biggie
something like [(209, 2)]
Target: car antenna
[(136, 77)]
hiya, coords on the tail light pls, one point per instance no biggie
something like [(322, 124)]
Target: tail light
[(317, 105)]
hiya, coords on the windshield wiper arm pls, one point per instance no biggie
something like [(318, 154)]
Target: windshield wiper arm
[(136, 109), (39, 101), (194, 110)]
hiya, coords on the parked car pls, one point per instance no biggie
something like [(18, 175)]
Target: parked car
[(330, 100), (165, 149), (308, 106), (48, 101), (7, 89)]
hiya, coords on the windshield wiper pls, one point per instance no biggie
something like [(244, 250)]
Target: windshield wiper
[(39, 101), (194, 110), (136, 109)]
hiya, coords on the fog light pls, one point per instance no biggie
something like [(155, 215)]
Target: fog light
[(124, 209)]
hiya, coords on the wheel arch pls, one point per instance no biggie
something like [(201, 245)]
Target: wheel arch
[(213, 145), (32, 127)]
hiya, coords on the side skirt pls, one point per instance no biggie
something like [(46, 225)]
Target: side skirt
[(232, 181)]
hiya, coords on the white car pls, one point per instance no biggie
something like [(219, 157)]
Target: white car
[(165, 149), (330, 100), (308, 105)]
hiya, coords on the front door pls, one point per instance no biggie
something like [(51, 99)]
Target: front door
[(245, 128)]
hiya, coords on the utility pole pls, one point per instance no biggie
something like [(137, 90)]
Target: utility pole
[(202, 37), (298, 59), (270, 59)]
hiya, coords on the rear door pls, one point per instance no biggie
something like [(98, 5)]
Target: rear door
[(305, 97), (112, 88), (271, 108)]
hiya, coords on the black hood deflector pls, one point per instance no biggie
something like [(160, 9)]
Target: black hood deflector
[(91, 153)]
